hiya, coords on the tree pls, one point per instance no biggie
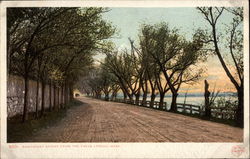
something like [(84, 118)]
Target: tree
[(139, 65), (115, 87), (152, 71), (106, 82), (93, 80), (234, 44), (122, 65), (174, 56), (77, 32)]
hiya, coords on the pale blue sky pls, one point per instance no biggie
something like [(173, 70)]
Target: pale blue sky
[(128, 20)]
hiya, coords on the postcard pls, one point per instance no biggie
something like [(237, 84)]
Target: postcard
[(124, 79)]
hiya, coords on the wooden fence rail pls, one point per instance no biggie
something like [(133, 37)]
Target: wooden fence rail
[(156, 104), (190, 107), (217, 112)]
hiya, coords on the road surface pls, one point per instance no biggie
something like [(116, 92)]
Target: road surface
[(101, 121)]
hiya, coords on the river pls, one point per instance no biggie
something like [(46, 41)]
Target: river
[(192, 98)]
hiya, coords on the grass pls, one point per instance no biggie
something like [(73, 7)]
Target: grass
[(20, 132), (212, 119)]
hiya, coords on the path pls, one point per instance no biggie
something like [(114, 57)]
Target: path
[(100, 121)]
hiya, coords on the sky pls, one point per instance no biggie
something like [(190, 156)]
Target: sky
[(187, 20)]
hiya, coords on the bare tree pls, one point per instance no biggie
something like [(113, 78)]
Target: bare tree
[(235, 49)]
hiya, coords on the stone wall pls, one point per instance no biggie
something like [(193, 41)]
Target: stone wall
[(15, 96)]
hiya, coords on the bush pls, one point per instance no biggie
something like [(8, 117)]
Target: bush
[(228, 102)]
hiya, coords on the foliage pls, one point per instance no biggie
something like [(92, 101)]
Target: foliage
[(65, 36), (54, 44), (228, 102)]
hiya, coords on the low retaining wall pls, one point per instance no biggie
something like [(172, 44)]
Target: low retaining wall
[(15, 96)]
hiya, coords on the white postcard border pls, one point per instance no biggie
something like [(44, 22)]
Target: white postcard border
[(120, 150)]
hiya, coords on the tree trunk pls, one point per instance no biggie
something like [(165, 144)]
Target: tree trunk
[(137, 98), (71, 93), (124, 95), (37, 97), (145, 91), (130, 96), (58, 98), (25, 104), (112, 96), (207, 105), (240, 109), (43, 93), (152, 99), (37, 86), (96, 94), (115, 94), (107, 96), (65, 94), (144, 98), (173, 103), (161, 101), (54, 105), (50, 96), (62, 101)]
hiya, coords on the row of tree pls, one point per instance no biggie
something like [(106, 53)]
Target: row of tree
[(54, 46), (164, 60)]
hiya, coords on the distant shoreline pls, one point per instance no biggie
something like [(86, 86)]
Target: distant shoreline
[(222, 94)]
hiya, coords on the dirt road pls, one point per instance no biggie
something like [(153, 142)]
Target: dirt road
[(100, 121)]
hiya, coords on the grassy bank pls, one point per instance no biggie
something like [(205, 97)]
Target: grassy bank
[(212, 119), (20, 132)]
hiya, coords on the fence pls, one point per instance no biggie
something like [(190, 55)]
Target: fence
[(216, 112), (192, 109), (156, 105)]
